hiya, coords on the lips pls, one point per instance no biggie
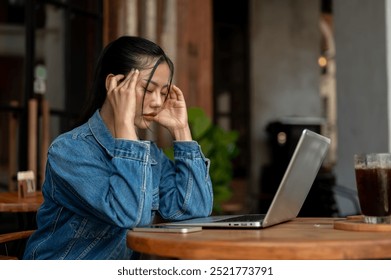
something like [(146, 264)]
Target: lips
[(152, 115)]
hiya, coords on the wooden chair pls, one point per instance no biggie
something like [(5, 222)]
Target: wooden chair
[(13, 236)]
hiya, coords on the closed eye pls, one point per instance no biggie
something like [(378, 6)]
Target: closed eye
[(148, 90)]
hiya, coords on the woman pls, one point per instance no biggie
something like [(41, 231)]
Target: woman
[(101, 179)]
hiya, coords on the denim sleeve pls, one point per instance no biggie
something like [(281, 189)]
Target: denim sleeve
[(113, 189), (186, 188)]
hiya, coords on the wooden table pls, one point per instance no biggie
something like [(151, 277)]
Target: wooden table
[(11, 202), (302, 238)]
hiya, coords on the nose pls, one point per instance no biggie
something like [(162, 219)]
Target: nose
[(156, 100)]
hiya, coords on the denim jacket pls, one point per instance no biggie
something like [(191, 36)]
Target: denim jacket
[(97, 188)]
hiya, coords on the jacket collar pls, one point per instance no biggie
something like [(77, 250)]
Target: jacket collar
[(101, 132)]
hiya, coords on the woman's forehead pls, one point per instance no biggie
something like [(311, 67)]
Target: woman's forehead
[(161, 75)]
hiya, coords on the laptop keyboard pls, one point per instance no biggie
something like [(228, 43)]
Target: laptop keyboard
[(244, 218)]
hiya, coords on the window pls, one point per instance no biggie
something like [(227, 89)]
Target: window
[(48, 51), (231, 75)]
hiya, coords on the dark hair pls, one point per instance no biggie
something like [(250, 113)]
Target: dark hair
[(119, 57)]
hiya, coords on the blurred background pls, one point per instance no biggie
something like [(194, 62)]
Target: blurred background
[(264, 68)]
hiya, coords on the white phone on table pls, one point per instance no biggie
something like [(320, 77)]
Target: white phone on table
[(167, 228)]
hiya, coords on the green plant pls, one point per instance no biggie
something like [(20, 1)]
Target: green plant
[(220, 147)]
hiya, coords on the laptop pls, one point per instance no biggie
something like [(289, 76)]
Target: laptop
[(295, 185)]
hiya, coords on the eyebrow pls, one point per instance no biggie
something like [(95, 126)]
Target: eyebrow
[(155, 83)]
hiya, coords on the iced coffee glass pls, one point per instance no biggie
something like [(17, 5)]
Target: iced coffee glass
[(373, 179)]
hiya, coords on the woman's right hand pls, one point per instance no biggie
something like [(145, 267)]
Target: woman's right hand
[(121, 93)]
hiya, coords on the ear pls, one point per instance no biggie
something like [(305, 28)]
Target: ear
[(107, 82)]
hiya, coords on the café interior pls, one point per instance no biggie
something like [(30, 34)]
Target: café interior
[(263, 70)]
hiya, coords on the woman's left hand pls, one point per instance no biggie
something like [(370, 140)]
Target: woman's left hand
[(174, 115)]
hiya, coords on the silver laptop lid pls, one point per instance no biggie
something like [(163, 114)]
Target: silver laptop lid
[(299, 176)]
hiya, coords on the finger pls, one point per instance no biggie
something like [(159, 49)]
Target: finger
[(125, 82), (172, 94), (113, 82), (177, 93), (133, 79)]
